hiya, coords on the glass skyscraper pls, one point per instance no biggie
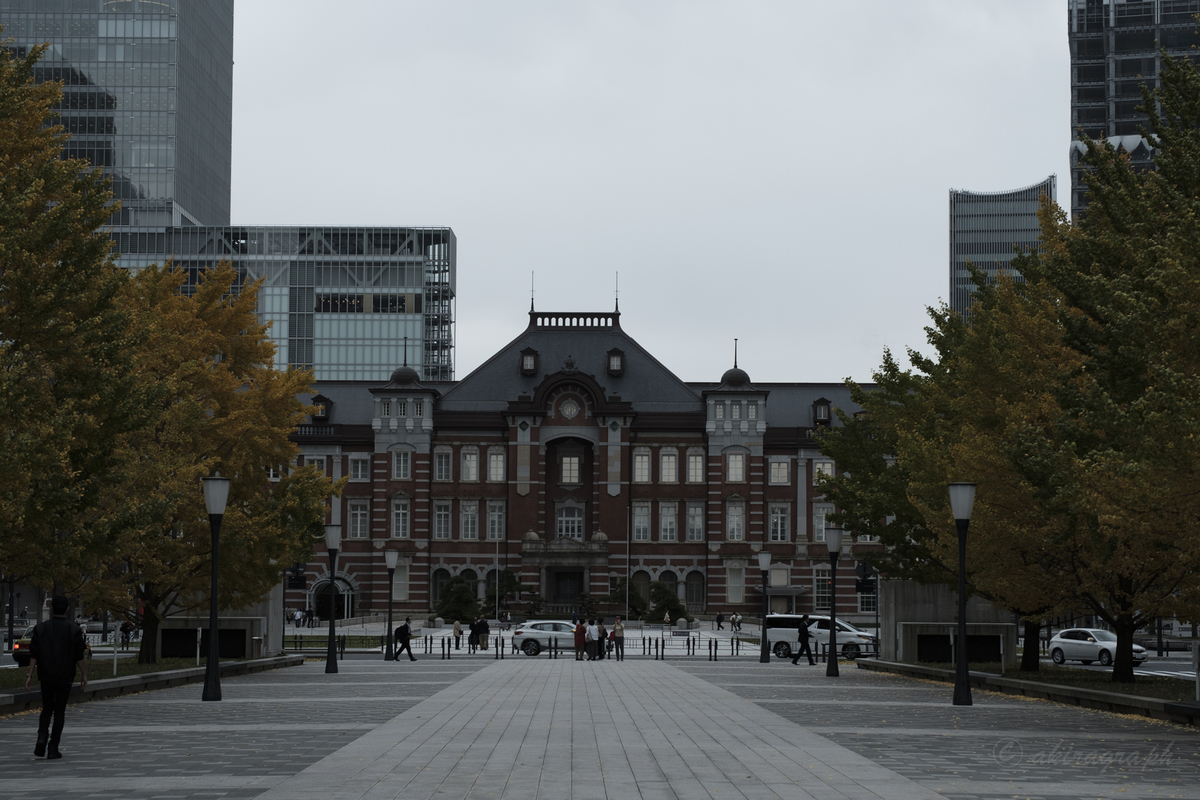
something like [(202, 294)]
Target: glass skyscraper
[(1115, 50), (985, 227), (148, 95)]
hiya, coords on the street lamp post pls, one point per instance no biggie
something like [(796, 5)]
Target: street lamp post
[(764, 564), (962, 500), (216, 495), (390, 557), (833, 539), (333, 539)]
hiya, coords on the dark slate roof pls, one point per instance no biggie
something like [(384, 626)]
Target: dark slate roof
[(789, 405), (645, 383)]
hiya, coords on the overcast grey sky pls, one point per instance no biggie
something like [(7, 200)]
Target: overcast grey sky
[(776, 172)]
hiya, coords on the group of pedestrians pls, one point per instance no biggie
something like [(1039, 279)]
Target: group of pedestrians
[(735, 622), (594, 642), (303, 617)]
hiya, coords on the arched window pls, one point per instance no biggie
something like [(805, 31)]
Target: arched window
[(440, 578), (695, 590), (671, 580), (641, 586), (471, 578), (570, 523)]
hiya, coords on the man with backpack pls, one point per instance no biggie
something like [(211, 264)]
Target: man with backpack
[(404, 638)]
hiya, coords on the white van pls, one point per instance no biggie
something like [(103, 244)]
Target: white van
[(782, 632)]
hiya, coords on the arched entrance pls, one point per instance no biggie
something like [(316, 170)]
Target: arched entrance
[(346, 599)]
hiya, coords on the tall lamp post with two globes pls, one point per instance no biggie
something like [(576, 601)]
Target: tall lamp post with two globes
[(833, 540), (333, 540), (962, 501), (216, 495), (764, 564), (391, 558)]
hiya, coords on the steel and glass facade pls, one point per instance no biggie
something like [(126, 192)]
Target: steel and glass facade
[(349, 303), (1115, 50), (148, 95), (985, 227)]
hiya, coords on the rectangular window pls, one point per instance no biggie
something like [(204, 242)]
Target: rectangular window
[(821, 589), (868, 603), (736, 463), (400, 583), (822, 468), (720, 411), (399, 519), (735, 585), (360, 467), (441, 466), (360, 519), (668, 522), (441, 520), (735, 411), (401, 408), (470, 466), (641, 467), (695, 522), (468, 519), (401, 465), (695, 468), (569, 470), (418, 408), (641, 522), (495, 521), (819, 522), (272, 474), (316, 461), (385, 408), (779, 472), (496, 466), (667, 467), (735, 518), (779, 523), (752, 411)]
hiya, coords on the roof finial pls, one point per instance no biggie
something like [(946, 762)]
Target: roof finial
[(617, 293), (735, 353), (531, 276), (406, 351)]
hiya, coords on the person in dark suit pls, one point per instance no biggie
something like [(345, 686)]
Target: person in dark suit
[(56, 649), (404, 638), (485, 630), (803, 640)]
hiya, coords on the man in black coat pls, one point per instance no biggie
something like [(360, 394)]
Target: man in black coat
[(404, 638), (56, 648), (484, 631), (803, 640)]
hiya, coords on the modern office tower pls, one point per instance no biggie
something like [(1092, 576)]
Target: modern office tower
[(352, 304), (148, 95), (985, 227), (1115, 49)]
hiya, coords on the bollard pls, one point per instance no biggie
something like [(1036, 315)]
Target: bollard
[(442, 655), (496, 655), (501, 647), (645, 644)]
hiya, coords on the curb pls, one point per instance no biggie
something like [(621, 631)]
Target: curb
[(1182, 713), (17, 702)]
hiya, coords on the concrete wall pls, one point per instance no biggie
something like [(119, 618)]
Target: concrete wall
[(909, 601)]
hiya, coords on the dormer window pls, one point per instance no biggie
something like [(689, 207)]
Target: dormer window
[(821, 413), (616, 362), (320, 409), (529, 362)]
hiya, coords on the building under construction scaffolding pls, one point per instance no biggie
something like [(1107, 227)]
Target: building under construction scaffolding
[(988, 229), (349, 303)]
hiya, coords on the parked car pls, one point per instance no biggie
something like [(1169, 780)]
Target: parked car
[(1089, 644), (534, 637), (20, 651), (852, 642)]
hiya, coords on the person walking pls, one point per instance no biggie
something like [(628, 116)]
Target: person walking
[(126, 633), (618, 633), (404, 638), (591, 633), (601, 639), (720, 620), (56, 649), (802, 638), (485, 631), (580, 640), (457, 634), (666, 619)]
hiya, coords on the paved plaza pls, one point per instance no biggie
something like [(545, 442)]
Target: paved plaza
[(540, 728)]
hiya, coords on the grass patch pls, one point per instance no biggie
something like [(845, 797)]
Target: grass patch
[(101, 668), (312, 642)]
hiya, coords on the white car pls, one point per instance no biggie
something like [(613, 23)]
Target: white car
[(533, 637), (1090, 644), (782, 630)]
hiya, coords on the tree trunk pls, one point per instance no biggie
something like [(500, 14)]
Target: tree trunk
[(147, 653), (1123, 663), (1031, 657)]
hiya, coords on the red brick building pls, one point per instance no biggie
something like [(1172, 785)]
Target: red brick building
[(574, 458)]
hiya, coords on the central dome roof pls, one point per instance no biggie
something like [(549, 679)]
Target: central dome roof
[(404, 375), (735, 377)]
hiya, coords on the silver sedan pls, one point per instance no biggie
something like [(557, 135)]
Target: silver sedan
[(534, 637)]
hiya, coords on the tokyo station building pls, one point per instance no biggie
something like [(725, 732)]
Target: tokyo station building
[(574, 458)]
